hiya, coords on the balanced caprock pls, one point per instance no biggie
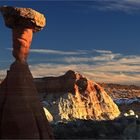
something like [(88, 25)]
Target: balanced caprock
[(21, 113)]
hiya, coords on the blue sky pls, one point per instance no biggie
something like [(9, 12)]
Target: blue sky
[(99, 38)]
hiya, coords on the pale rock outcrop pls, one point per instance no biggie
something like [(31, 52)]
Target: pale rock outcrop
[(73, 96), (48, 115)]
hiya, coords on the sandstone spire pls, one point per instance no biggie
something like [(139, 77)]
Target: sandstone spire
[(21, 113), (23, 22)]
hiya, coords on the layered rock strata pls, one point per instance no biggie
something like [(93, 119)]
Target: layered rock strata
[(73, 96), (21, 113)]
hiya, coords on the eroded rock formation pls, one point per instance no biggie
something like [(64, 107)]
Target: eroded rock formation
[(21, 113), (73, 96), (23, 22)]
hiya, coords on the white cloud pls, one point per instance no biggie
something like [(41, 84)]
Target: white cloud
[(132, 1), (57, 52), (67, 52), (75, 57), (130, 60), (88, 59), (117, 5), (92, 56), (102, 66), (112, 67), (101, 74), (41, 70), (102, 51), (114, 78)]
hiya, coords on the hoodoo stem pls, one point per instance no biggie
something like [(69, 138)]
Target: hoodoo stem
[(22, 38)]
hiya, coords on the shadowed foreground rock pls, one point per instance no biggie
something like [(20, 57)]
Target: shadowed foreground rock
[(73, 96), (119, 129), (21, 113)]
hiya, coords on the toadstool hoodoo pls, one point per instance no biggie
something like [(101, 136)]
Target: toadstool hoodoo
[(21, 113), (23, 22)]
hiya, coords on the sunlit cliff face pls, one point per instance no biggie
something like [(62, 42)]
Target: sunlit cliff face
[(75, 97)]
